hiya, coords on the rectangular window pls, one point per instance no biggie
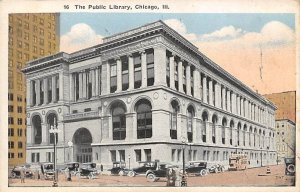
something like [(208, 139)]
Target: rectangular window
[(11, 155), (173, 154), (113, 78), (147, 154), (20, 132), (10, 108), (122, 155), (20, 155), (125, 80), (150, 67), (19, 109), (137, 71), (11, 145), (138, 155), (10, 132), (10, 96), (20, 121), (10, 120), (20, 145)]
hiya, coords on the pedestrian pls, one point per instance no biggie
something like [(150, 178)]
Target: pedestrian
[(22, 174)]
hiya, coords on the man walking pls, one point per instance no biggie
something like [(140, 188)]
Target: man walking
[(22, 174)]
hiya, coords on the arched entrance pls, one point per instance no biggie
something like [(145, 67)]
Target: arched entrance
[(82, 140)]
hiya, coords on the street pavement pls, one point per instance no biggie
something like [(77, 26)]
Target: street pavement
[(250, 177)]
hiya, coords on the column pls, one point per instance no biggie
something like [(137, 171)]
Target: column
[(180, 76), (210, 91), (249, 109), (80, 84), (38, 91), (208, 132), (53, 78), (196, 84), (84, 82), (119, 75), (234, 111), (217, 95), (45, 91), (29, 93), (72, 86), (223, 98), (228, 100), (204, 87), (172, 72), (144, 68), (93, 74), (62, 80), (242, 107), (160, 66), (130, 72), (188, 80), (97, 81)]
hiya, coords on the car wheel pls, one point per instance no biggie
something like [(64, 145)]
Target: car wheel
[(78, 175), (13, 175), (203, 172), (151, 177), (121, 173), (131, 173), (90, 176), (222, 169)]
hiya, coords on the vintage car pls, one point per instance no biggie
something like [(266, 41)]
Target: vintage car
[(290, 166), (119, 168), (87, 170), (16, 171), (143, 167), (238, 162), (72, 167), (197, 168), (160, 171), (47, 170)]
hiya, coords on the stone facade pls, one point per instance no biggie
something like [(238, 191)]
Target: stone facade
[(146, 94)]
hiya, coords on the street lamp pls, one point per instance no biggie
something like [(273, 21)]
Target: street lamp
[(184, 142), (70, 144), (55, 131)]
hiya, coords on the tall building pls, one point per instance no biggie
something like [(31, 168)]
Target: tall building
[(145, 94), (31, 36), (285, 139), (286, 104)]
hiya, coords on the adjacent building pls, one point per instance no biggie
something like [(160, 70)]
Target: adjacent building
[(142, 95), (31, 36)]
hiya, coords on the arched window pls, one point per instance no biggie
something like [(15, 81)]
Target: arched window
[(144, 119), (238, 133), (204, 120), (250, 131), (255, 132), (52, 121), (214, 123), (190, 116), (224, 124), (37, 129), (173, 119), (231, 130), (244, 135), (118, 121), (259, 138)]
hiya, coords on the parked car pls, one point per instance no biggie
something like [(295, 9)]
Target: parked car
[(73, 167), (47, 170), (143, 167), (238, 162), (160, 171), (217, 168), (197, 168), (16, 171), (87, 170), (119, 168), (290, 166)]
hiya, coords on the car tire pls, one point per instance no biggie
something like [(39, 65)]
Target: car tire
[(131, 173), (151, 177), (203, 172), (222, 169), (121, 173), (13, 175), (90, 176), (291, 168)]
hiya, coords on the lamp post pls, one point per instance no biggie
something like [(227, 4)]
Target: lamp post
[(70, 144), (54, 130), (184, 142), (261, 164)]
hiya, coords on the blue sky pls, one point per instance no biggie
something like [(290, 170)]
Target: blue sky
[(194, 22)]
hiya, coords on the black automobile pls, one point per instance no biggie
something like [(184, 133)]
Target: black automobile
[(143, 167), (290, 166), (47, 170), (197, 168), (72, 167), (87, 170), (159, 172), (16, 171), (119, 168)]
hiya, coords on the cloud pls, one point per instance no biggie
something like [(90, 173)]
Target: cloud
[(226, 33), (79, 37), (180, 27)]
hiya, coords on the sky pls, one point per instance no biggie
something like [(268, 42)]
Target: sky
[(258, 49)]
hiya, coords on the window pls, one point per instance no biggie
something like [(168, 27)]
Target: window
[(11, 155), (20, 132), (137, 71), (173, 119), (118, 121), (144, 119), (19, 98), (20, 155), (150, 67), (224, 124), (138, 155), (35, 157), (10, 96), (214, 123), (10, 108), (20, 121), (20, 145), (122, 155), (10, 132), (41, 31), (125, 80), (148, 154), (19, 109), (173, 152), (190, 116), (42, 43), (113, 78), (87, 109), (10, 120), (11, 144)]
